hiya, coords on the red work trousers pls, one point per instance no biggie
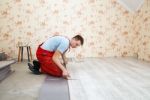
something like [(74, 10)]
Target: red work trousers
[(46, 63)]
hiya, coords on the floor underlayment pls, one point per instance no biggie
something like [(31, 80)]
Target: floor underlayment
[(54, 89), (91, 79)]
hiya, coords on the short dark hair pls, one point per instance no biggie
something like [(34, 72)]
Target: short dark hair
[(80, 38)]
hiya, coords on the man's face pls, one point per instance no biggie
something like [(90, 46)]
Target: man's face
[(75, 43)]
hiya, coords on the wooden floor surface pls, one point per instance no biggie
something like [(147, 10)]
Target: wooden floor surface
[(109, 79)]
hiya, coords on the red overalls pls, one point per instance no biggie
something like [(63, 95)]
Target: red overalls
[(46, 63)]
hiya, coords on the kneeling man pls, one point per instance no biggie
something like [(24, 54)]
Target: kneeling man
[(49, 53)]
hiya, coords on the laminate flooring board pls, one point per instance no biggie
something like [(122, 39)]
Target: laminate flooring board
[(5, 69), (6, 63), (6, 74)]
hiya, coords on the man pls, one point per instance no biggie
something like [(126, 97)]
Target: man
[(49, 53)]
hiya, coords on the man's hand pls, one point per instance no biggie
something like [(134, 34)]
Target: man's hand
[(55, 58), (65, 74)]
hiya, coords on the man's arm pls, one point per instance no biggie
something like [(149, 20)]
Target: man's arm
[(55, 58), (64, 59)]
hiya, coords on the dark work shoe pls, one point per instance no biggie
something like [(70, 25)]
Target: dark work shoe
[(30, 67), (35, 71), (36, 64)]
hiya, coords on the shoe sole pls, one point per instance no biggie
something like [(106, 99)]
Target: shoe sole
[(31, 67), (34, 72)]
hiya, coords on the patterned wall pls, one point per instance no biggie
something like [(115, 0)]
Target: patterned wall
[(108, 29), (142, 28)]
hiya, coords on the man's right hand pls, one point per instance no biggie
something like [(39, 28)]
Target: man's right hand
[(56, 60), (65, 74)]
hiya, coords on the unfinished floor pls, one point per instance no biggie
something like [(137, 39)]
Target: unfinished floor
[(92, 79)]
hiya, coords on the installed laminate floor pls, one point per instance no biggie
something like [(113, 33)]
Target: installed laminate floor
[(110, 79)]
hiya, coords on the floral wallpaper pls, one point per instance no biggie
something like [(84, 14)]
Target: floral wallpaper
[(108, 28), (142, 28)]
